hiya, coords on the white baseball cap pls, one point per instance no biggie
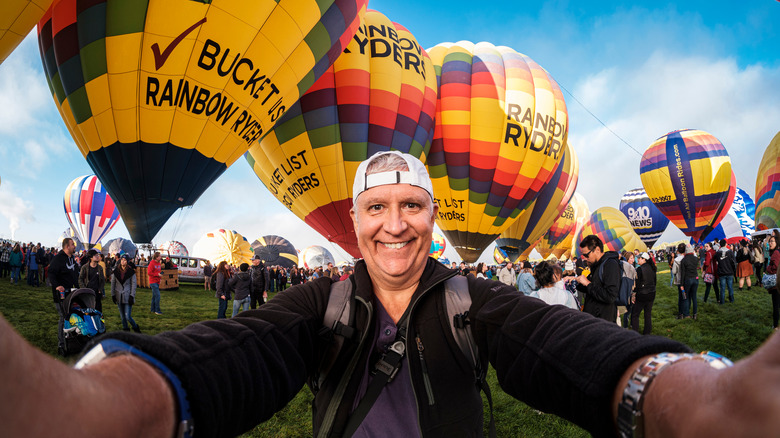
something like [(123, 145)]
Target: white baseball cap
[(645, 256), (417, 175)]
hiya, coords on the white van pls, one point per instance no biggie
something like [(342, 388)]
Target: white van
[(190, 268)]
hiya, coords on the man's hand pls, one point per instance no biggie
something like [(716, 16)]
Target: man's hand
[(583, 280), (221, 297)]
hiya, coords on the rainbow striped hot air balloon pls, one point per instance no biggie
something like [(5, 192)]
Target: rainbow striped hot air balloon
[(687, 175), (438, 245), (768, 187), (366, 103), (562, 228), (501, 129), (162, 96), (89, 209), (614, 230)]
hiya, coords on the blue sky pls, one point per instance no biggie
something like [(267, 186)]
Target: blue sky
[(643, 68)]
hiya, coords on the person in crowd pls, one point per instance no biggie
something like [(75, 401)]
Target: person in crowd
[(602, 285), (283, 277), (454, 266), (758, 260), (348, 270), (42, 261), (526, 283), (570, 281), (481, 268), (627, 260), (462, 267), (727, 268), (260, 276), (207, 271), (123, 287), (772, 268), (677, 280), (32, 267), (16, 260), (744, 258), (710, 273), (689, 275), (507, 274), (549, 288), (93, 276), (241, 285), (154, 271), (606, 380), (223, 288), (644, 294), (5, 257), (63, 276), (297, 276)]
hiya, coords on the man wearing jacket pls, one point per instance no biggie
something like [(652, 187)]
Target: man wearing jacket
[(260, 278), (602, 285), (64, 276), (727, 269), (154, 270), (507, 275), (554, 358)]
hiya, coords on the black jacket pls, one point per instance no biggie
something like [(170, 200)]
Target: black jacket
[(241, 285), (645, 282), (726, 263), (689, 268), (63, 271), (551, 357), (603, 289), (259, 278)]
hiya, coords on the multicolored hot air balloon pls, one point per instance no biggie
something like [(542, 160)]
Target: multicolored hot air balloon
[(315, 256), (500, 256), (226, 245), (540, 215), (614, 230), (17, 18), (89, 209), (73, 235), (687, 175), (120, 246), (162, 96), (501, 130), (581, 215), (768, 187), (647, 220), (438, 245), (562, 228), (738, 224), (276, 251), (366, 103), (173, 248)]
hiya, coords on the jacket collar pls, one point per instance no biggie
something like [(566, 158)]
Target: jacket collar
[(433, 274)]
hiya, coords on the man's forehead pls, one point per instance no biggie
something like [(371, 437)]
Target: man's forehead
[(380, 194)]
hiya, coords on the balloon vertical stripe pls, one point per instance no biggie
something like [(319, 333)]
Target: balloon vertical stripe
[(90, 210)]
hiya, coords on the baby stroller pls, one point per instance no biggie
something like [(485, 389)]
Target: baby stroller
[(82, 321)]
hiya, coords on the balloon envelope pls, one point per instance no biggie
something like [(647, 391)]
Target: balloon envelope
[(738, 224), (119, 246), (438, 245), (768, 187), (72, 234), (500, 256), (17, 18), (614, 230), (89, 209), (687, 175), (501, 128), (315, 256), (276, 251), (162, 96), (366, 103), (173, 248), (226, 245), (647, 220)]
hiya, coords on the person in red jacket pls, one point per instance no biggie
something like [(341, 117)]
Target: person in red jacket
[(154, 269)]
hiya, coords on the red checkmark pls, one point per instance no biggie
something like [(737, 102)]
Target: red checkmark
[(160, 58)]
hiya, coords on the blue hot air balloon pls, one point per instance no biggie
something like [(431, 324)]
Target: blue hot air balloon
[(646, 219)]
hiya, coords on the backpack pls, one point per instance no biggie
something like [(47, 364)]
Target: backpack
[(339, 315), (626, 284)]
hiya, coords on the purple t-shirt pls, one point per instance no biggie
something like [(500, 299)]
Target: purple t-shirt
[(394, 414)]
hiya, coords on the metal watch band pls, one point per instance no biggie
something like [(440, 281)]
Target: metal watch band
[(113, 347), (630, 418)]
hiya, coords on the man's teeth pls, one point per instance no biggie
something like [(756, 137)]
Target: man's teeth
[(396, 245)]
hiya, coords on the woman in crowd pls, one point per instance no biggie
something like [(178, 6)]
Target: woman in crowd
[(481, 268), (758, 260), (774, 262), (223, 290), (123, 285), (644, 294), (682, 298), (744, 266), (241, 284), (689, 267), (15, 262), (296, 276), (93, 276), (549, 288)]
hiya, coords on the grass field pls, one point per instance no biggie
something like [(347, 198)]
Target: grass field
[(734, 330)]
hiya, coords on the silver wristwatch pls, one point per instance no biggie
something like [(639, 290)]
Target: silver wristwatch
[(630, 419)]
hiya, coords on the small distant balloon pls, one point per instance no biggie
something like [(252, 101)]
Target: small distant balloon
[(768, 187), (315, 256), (89, 209), (226, 245), (173, 248), (276, 251), (647, 220), (119, 245), (438, 245)]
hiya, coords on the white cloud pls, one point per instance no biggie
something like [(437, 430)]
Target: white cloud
[(14, 209)]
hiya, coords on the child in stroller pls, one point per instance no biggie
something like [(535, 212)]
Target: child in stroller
[(82, 321)]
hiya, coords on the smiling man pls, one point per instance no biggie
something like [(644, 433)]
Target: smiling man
[(221, 378)]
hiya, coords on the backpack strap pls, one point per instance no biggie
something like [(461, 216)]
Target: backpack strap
[(458, 301), (337, 325)]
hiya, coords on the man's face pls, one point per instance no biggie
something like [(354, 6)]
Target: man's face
[(256, 262), (394, 224), (70, 248)]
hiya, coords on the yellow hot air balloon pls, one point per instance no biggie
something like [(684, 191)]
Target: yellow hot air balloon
[(768, 187), (226, 245), (367, 102), (17, 18), (581, 215), (161, 96), (501, 129), (614, 230), (541, 214)]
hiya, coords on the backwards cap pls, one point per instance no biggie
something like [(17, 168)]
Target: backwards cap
[(417, 175)]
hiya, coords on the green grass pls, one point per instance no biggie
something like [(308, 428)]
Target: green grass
[(734, 330)]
